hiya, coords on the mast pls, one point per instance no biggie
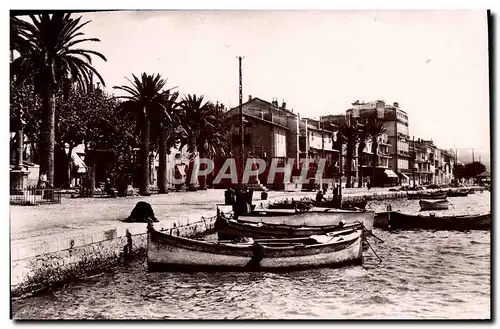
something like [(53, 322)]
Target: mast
[(241, 118), (322, 149)]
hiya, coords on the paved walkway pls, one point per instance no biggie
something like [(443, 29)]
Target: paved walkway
[(76, 215)]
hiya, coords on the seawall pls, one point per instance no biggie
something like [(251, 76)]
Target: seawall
[(86, 254)]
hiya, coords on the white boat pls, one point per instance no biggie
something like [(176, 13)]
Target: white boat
[(172, 253), (315, 216), (433, 204)]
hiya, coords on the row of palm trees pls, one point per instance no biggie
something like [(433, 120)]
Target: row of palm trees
[(50, 57), (187, 122)]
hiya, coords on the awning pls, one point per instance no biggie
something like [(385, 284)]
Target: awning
[(404, 176), (326, 149), (390, 173)]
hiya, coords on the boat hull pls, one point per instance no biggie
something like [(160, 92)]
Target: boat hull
[(346, 205), (433, 205), (458, 193), (427, 195), (171, 253), (228, 228), (313, 217), (400, 221)]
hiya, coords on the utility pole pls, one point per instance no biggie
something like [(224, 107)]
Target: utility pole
[(414, 160), (322, 149), (472, 154), (241, 119)]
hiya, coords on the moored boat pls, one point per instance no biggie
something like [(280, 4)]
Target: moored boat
[(433, 204), (397, 220), (452, 193), (308, 203), (228, 228), (172, 253), (437, 195), (315, 216)]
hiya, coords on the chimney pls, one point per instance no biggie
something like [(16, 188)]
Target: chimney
[(283, 104), (249, 98)]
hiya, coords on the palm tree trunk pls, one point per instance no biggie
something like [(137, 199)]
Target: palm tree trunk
[(67, 178), (374, 158), (162, 170), (202, 179), (350, 149), (144, 186), (47, 138), (361, 147)]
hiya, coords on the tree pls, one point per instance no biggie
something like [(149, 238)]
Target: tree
[(363, 137), (168, 136), (459, 171), (473, 169), (205, 130), (25, 108), (146, 100), (349, 133), (83, 117), (47, 54), (375, 129)]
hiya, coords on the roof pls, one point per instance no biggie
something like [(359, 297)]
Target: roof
[(484, 174), (267, 103), (264, 120)]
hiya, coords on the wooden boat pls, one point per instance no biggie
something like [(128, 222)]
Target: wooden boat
[(457, 193), (315, 216), (437, 195), (308, 203), (229, 228), (173, 253), (433, 204), (402, 221)]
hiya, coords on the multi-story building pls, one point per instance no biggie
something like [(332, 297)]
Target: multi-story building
[(393, 154), (272, 132)]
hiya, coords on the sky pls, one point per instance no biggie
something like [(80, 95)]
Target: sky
[(433, 63)]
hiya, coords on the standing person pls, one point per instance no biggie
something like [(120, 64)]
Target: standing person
[(108, 189)]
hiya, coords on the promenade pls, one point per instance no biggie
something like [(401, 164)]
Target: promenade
[(73, 215)]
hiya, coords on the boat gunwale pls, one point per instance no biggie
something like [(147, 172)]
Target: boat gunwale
[(247, 250)]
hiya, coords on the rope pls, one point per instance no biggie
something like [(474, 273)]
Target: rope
[(371, 234), (369, 245)]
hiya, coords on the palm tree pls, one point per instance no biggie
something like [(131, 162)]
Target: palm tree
[(146, 100), (363, 137), (168, 128), (47, 54), (375, 128), (349, 133), (205, 131)]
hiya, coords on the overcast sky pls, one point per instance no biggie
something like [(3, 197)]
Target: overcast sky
[(434, 63)]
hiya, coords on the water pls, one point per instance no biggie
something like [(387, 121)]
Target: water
[(424, 275)]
